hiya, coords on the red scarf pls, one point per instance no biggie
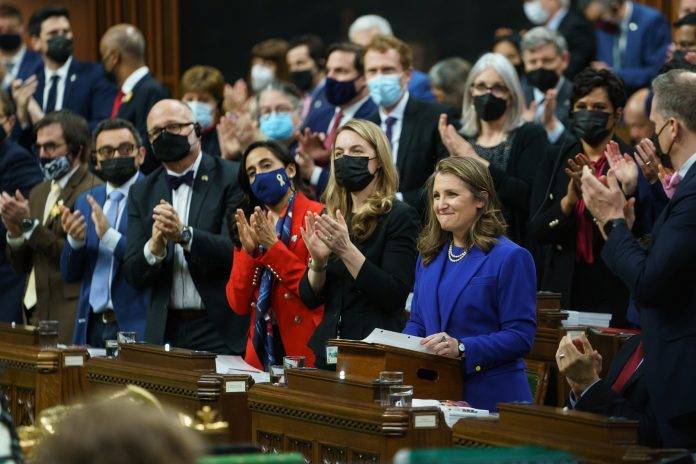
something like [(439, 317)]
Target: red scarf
[(584, 236)]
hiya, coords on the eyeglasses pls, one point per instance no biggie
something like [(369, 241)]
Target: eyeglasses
[(49, 147), (107, 151), (498, 90), (173, 128)]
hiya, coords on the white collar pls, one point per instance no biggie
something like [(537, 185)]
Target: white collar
[(352, 109), (687, 164), (193, 167), (398, 111), (133, 79), (63, 181), (556, 19), (18, 57), (627, 15), (123, 188), (62, 72)]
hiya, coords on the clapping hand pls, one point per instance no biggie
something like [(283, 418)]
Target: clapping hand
[(13, 210), (101, 223), (247, 235), (605, 202), (624, 167), (73, 223), (334, 233), (167, 221), (548, 117), (579, 362), (235, 96), (455, 144), (312, 144), (311, 236), (647, 160), (264, 227)]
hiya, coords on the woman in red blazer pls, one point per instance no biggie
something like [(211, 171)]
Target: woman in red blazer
[(270, 257)]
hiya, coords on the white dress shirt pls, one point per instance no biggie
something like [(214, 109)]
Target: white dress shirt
[(12, 67), (685, 167), (555, 21), (398, 114), (184, 294), (62, 73), (135, 77)]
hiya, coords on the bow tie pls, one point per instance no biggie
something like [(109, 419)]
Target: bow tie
[(174, 182)]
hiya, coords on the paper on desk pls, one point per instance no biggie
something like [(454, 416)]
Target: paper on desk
[(396, 339), (451, 411), (228, 364), (96, 352)]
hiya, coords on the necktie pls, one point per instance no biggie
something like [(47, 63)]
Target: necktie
[(389, 122), (174, 182), (117, 103), (629, 369), (52, 94), (30, 293), (331, 136), (101, 284)]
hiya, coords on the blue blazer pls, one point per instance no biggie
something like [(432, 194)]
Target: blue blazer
[(649, 36), (130, 304), (87, 92), (19, 169), (494, 317), (30, 64), (319, 118), (419, 86)]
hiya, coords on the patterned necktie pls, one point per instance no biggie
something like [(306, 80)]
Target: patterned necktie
[(100, 289)]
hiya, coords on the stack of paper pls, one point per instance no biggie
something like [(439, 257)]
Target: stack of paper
[(227, 364), (396, 339), (453, 410), (587, 319)]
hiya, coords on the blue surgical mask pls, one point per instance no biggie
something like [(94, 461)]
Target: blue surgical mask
[(203, 112), (270, 187), (277, 126), (55, 168), (385, 89)]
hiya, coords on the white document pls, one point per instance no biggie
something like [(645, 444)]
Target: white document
[(96, 352), (396, 339), (227, 364)]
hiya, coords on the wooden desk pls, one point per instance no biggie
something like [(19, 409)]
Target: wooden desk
[(182, 379), (35, 378), (591, 437)]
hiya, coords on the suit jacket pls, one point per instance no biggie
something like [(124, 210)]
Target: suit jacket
[(419, 86), (632, 402), (56, 299), (87, 92), (420, 147), (649, 36), (563, 100), (494, 317), (215, 191), (377, 296), (660, 280), (582, 42), (146, 92), (18, 170), (130, 304), (319, 118), (30, 64), (296, 322)]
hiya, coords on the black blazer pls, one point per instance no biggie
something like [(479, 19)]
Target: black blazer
[(582, 41), (146, 92), (660, 278), (377, 297), (632, 402), (215, 191), (556, 233), (420, 147)]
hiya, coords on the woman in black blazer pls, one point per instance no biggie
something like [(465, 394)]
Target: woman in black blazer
[(572, 263), (363, 251), (494, 133)]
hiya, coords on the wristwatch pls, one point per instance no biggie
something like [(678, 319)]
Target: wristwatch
[(609, 225), (27, 224), (185, 237), (461, 349)]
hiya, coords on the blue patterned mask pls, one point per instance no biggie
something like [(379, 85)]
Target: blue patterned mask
[(277, 126), (270, 187), (55, 168)]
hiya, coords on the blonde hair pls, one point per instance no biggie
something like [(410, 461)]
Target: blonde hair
[(363, 222), (489, 223)]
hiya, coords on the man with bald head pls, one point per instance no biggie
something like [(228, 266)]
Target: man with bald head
[(637, 118), (178, 245), (122, 48)]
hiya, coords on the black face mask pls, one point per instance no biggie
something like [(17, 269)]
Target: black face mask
[(543, 79), (59, 49), (340, 92), (303, 80), (352, 172), (170, 147), (591, 125), (663, 157), (117, 170), (489, 107), (10, 42)]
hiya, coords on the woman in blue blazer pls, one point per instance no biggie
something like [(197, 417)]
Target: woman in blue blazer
[(475, 291)]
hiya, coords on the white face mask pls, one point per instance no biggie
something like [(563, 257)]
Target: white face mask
[(261, 76), (535, 12), (203, 112)]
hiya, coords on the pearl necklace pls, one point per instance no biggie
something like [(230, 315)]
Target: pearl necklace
[(455, 258)]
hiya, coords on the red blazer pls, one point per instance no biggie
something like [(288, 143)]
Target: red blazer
[(296, 322)]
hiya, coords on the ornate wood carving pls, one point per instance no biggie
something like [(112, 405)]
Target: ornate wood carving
[(325, 419), (209, 387), (24, 406), (332, 454), (362, 457), (269, 442), (153, 387), (48, 361), (304, 447)]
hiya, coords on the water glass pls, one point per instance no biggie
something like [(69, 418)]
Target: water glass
[(48, 334), (386, 379), (400, 396), (125, 338), (277, 373), (293, 362)]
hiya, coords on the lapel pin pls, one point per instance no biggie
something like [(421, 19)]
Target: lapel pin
[(633, 27), (204, 177), (72, 78), (293, 238), (126, 98)]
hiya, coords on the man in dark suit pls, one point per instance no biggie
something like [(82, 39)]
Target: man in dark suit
[(96, 243), (411, 125), (17, 61), (545, 56), (623, 393), (578, 32), (633, 40), (123, 56), (178, 244), (19, 171), (34, 234), (660, 276), (62, 81)]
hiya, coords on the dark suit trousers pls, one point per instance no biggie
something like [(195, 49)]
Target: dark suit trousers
[(193, 334)]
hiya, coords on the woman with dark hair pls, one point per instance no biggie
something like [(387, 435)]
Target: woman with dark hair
[(572, 264), (475, 293), (270, 256)]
